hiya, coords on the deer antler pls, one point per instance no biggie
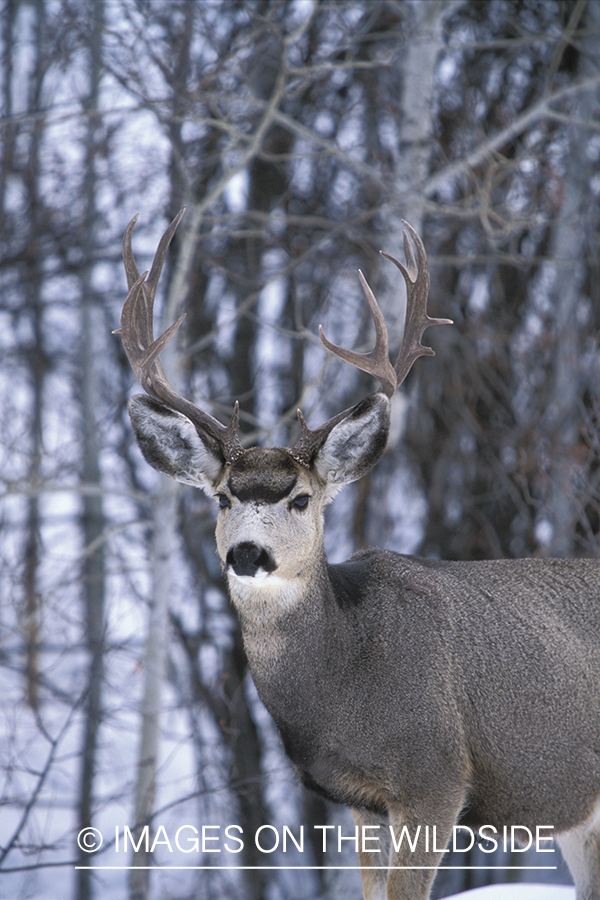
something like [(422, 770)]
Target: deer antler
[(416, 276), (142, 350), (377, 362)]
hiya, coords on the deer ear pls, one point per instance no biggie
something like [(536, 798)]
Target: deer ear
[(355, 444), (172, 444)]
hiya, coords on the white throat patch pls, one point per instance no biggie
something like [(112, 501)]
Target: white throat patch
[(267, 587)]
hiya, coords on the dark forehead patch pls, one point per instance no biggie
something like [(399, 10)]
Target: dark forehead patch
[(263, 476)]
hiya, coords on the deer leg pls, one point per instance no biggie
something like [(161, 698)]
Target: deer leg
[(417, 847), (373, 855), (581, 850), (400, 864)]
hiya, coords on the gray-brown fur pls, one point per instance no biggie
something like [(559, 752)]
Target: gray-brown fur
[(488, 661), (418, 692)]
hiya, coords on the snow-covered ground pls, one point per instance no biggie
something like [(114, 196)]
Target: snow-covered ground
[(518, 892)]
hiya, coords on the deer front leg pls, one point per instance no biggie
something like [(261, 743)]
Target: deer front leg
[(373, 855), (409, 850), (581, 850)]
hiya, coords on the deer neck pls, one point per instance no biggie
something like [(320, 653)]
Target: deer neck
[(280, 618)]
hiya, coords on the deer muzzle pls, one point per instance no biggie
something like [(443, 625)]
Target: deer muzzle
[(248, 558)]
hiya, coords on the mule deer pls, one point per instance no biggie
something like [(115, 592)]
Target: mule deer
[(418, 692)]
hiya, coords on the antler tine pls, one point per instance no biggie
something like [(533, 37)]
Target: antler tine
[(377, 361), (142, 350), (416, 276), (131, 270)]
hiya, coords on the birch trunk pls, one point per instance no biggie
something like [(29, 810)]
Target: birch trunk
[(417, 69), (415, 74), (164, 508), (93, 520), (164, 517)]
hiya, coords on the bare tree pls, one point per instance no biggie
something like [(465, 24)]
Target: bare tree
[(93, 519), (297, 136)]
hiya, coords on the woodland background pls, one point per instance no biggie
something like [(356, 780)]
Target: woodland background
[(298, 135)]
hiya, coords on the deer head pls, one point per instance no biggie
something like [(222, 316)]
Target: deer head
[(269, 530)]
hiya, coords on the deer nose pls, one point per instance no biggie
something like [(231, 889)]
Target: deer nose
[(248, 559)]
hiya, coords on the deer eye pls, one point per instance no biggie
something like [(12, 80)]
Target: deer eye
[(223, 501), (300, 502)]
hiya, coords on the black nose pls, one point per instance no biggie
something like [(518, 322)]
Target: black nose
[(248, 558)]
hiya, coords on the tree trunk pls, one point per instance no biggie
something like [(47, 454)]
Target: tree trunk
[(93, 521), (569, 247), (37, 371), (164, 517)]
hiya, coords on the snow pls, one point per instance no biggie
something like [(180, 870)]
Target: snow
[(518, 892)]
